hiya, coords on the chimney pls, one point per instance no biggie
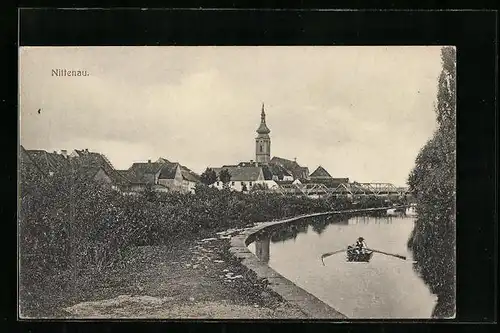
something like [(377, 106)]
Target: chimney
[(149, 161), (86, 150), (55, 151), (64, 152)]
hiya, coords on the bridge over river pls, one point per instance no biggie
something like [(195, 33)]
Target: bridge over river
[(386, 287), (349, 189)]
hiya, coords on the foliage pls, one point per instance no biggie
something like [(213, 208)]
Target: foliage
[(432, 183), (208, 177), (66, 222), (225, 177), (259, 187)]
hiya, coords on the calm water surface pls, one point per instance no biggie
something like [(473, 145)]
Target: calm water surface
[(386, 287)]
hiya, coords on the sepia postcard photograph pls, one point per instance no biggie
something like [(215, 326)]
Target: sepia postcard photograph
[(237, 182)]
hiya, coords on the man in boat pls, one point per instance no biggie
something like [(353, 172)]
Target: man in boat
[(360, 245)]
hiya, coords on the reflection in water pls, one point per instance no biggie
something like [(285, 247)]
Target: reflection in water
[(262, 245), (370, 219), (320, 223), (386, 287)]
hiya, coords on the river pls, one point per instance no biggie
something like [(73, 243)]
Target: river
[(386, 287)]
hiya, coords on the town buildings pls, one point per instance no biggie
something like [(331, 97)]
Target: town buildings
[(86, 166), (266, 172), (161, 175)]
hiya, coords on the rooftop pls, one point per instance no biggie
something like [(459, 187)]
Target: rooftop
[(248, 173)]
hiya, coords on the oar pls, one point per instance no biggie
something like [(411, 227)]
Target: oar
[(324, 255), (389, 254)]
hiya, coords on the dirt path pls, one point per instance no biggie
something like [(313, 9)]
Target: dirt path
[(188, 279)]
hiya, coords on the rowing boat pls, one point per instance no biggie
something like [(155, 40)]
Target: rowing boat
[(353, 255)]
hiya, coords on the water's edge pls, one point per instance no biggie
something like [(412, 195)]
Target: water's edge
[(293, 294)]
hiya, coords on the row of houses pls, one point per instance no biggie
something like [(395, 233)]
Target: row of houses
[(276, 174), (279, 175), (161, 175)]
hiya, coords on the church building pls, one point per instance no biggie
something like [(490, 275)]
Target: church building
[(263, 141), (263, 170)]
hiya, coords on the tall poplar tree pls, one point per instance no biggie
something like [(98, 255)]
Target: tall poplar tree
[(432, 182)]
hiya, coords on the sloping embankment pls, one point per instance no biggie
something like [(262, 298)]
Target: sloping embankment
[(293, 294)]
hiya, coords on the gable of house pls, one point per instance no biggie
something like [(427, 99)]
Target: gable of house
[(47, 163), (144, 173), (170, 171), (85, 158), (320, 172), (190, 176), (292, 167), (93, 174)]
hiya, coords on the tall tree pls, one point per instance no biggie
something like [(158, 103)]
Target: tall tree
[(208, 177), (225, 177), (432, 182)]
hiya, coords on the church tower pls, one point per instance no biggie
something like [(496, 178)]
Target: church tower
[(263, 141)]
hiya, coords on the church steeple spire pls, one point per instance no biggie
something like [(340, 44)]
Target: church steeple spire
[(263, 127), (263, 141)]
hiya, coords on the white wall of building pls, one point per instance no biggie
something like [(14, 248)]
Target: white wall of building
[(237, 185)]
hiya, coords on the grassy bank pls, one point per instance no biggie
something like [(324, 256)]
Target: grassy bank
[(188, 279)]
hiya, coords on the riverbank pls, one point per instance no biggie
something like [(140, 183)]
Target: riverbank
[(289, 291), (186, 279), (198, 278)]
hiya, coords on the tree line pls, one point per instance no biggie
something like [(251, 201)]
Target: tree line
[(432, 182)]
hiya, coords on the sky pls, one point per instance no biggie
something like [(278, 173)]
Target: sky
[(359, 112)]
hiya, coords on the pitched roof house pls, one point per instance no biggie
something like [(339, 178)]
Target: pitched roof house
[(276, 172), (189, 175), (320, 172), (244, 176), (88, 159), (320, 175), (297, 171), (36, 164), (47, 163), (144, 173), (162, 173), (93, 174), (250, 173)]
